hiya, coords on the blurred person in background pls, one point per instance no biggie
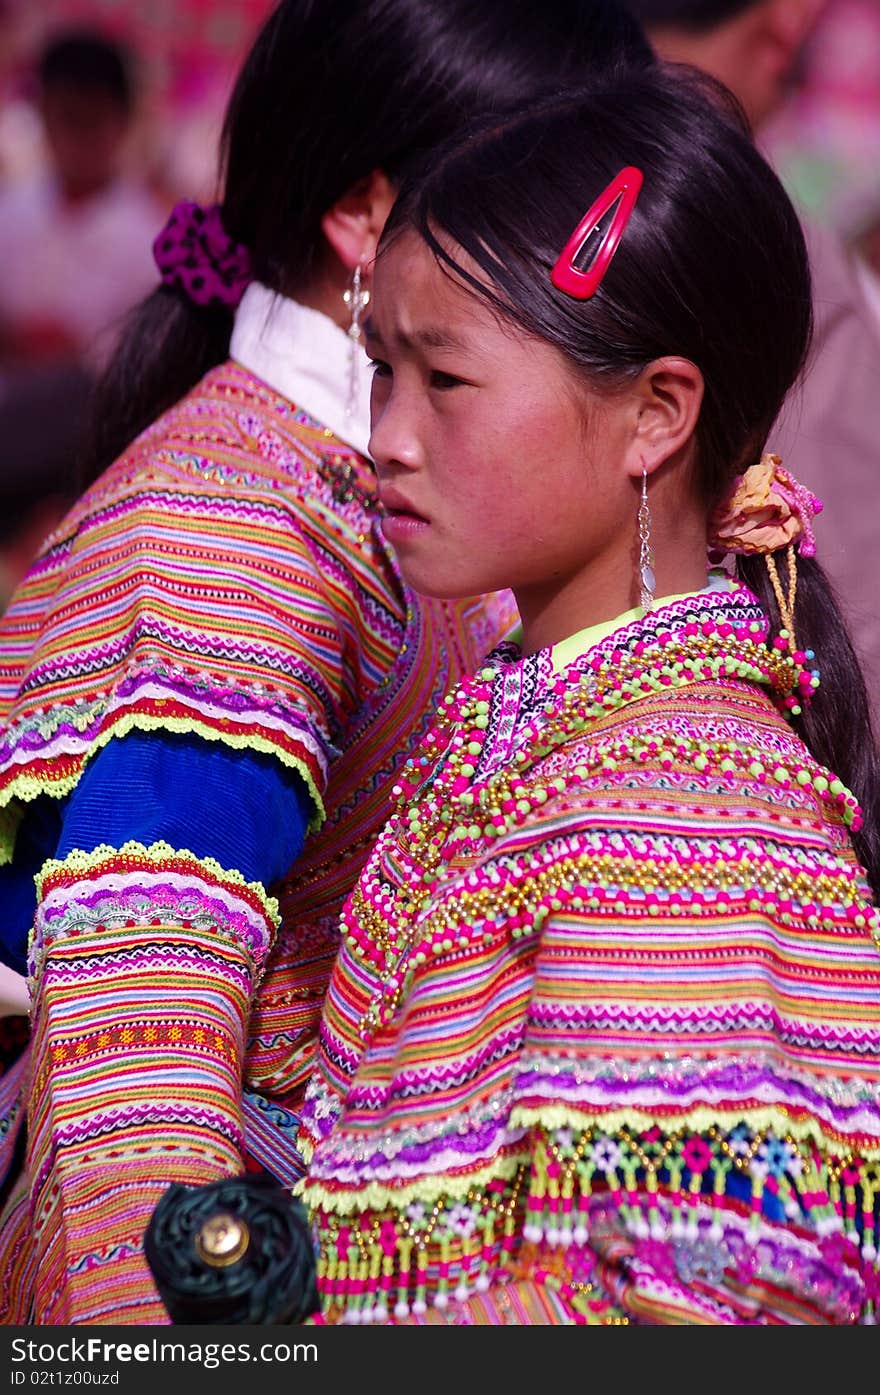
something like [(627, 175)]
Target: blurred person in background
[(76, 239), (829, 429), (75, 255), (211, 675)]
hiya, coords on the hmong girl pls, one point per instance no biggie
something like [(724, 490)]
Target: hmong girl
[(602, 1043)]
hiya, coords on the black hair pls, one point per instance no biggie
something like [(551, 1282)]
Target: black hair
[(712, 267), (88, 61), (696, 16), (330, 91)]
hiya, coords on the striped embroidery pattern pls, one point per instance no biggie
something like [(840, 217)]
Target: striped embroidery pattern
[(628, 965), (143, 962), (227, 577)]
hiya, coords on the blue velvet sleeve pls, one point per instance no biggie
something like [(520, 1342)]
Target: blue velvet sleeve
[(36, 839), (242, 808)]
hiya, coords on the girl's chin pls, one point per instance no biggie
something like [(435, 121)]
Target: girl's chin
[(430, 565)]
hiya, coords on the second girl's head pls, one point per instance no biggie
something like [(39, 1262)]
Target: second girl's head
[(335, 102), (336, 91), (512, 422)]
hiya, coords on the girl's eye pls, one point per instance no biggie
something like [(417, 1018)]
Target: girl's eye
[(445, 381), (380, 368)]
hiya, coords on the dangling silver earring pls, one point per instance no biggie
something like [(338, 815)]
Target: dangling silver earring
[(357, 298), (647, 580)]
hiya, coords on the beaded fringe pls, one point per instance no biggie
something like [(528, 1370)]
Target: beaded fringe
[(669, 1199)]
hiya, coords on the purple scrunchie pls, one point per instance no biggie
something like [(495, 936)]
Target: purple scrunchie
[(194, 251)]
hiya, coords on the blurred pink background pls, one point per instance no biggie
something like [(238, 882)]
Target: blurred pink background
[(186, 53), (825, 142)]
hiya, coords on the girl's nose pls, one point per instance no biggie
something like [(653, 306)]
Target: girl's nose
[(393, 437)]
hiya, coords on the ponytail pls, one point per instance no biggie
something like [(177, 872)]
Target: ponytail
[(836, 724)]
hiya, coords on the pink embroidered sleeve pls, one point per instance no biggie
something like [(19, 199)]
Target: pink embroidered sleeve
[(144, 962)]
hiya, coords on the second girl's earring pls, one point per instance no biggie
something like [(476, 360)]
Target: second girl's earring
[(647, 581), (357, 298)]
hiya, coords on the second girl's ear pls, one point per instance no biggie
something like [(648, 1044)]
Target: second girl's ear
[(666, 401), (354, 224)]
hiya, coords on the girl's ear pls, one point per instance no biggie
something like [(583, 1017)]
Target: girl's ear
[(354, 224), (667, 397)]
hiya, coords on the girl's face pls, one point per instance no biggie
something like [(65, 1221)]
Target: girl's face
[(495, 468)]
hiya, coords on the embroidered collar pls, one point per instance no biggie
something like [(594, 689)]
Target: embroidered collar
[(567, 650), (305, 356), (718, 632)]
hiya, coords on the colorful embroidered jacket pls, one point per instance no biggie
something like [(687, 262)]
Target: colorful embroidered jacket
[(603, 1040), (227, 581)]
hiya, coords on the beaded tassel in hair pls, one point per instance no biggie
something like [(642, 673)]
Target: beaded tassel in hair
[(768, 510)]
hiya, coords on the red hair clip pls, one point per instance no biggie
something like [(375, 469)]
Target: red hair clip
[(623, 191)]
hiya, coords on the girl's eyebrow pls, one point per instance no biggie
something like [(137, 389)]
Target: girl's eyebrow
[(433, 338), (428, 338)]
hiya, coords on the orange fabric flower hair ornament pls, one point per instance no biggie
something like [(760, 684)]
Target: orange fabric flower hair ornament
[(766, 510)]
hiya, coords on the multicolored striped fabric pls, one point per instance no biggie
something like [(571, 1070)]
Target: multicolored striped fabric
[(145, 961), (226, 578), (606, 1018)]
